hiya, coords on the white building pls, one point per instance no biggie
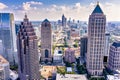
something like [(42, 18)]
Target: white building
[(70, 77), (107, 47), (58, 56), (4, 68), (113, 77)]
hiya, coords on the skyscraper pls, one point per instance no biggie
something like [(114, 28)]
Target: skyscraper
[(46, 41), (27, 52), (64, 21), (96, 42), (7, 35)]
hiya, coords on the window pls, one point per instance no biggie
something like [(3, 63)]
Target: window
[(46, 53)]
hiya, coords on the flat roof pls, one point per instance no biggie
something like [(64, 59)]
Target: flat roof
[(71, 77)]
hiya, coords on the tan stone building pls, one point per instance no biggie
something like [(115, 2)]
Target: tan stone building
[(96, 42), (46, 41)]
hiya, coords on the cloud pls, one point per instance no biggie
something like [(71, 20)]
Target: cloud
[(28, 5), (3, 6), (76, 11)]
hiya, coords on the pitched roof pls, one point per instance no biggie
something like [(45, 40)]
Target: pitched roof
[(46, 20), (97, 9)]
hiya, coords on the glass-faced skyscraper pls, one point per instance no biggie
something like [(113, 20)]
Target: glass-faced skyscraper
[(96, 42), (7, 35)]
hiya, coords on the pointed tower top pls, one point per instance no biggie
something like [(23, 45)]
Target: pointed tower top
[(46, 20), (97, 9), (97, 2), (25, 18), (25, 15)]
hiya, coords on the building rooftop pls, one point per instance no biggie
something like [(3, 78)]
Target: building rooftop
[(71, 77), (116, 44), (97, 9), (3, 60), (46, 20)]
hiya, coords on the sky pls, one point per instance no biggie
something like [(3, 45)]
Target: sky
[(38, 10)]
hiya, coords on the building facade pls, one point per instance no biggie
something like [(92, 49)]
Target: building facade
[(107, 47), (114, 56), (83, 46), (96, 42), (1, 48), (69, 55), (46, 41), (27, 52), (4, 69), (64, 21), (7, 35)]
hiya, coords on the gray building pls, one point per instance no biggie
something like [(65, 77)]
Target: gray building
[(28, 52), (46, 41), (114, 56), (96, 42), (7, 35), (83, 47), (107, 47), (64, 21)]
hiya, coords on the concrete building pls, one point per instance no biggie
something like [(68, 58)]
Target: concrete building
[(107, 47), (69, 55), (114, 56), (96, 42), (1, 48), (64, 21), (58, 56), (7, 35), (4, 69), (46, 41), (83, 47), (71, 77), (28, 52)]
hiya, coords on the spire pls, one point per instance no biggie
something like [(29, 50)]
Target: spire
[(97, 9), (46, 20), (25, 18)]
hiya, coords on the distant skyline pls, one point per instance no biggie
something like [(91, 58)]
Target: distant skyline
[(53, 9)]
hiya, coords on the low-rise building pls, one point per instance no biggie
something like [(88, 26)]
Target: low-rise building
[(71, 77), (58, 56), (69, 55), (4, 69)]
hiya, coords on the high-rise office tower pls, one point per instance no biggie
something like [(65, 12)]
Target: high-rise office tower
[(107, 47), (7, 35), (27, 52), (114, 56), (64, 21), (46, 41), (96, 41)]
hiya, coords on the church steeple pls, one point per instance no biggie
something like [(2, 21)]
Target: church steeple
[(97, 9)]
